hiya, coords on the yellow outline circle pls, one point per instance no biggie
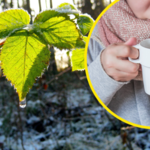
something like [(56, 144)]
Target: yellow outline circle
[(88, 78)]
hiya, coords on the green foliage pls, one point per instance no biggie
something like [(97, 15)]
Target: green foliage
[(66, 6), (85, 22), (45, 15), (25, 54), (12, 19), (59, 31), (24, 57), (77, 58)]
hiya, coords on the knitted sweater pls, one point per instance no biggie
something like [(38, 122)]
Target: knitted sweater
[(126, 99)]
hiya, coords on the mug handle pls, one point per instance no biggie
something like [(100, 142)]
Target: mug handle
[(136, 60)]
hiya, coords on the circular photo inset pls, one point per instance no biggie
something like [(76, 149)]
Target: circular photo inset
[(118, 61)]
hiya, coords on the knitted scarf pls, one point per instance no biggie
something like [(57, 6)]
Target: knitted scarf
[(119, 23)]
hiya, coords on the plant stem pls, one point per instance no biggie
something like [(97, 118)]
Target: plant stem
[(20, 126)]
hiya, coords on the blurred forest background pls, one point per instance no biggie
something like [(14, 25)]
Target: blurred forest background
[(61, 112)]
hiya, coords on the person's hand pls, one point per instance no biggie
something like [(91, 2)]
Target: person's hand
[(115, 61)]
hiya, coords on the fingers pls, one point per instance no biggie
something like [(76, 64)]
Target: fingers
[(134, 53), (124, 51), (140, 68), (120, 64), (132, 41), (125, 66), (114, 60), (121, 76)]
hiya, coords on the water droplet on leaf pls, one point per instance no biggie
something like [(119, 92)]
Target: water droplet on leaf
[(22, 103)]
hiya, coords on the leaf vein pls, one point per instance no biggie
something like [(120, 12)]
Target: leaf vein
[(15, 54), (17, 19)]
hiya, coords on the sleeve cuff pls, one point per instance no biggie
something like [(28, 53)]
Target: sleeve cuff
[(104, 86)]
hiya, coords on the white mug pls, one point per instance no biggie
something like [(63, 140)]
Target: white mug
[(144, 60)]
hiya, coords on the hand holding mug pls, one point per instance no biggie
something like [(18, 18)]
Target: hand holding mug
[(114, 60)]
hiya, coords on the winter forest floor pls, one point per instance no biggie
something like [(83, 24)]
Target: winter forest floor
[(62, 114)]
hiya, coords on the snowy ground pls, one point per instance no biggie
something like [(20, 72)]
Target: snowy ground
[(80, 125)]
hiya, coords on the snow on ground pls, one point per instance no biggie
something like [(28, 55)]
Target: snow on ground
[(80, 125)]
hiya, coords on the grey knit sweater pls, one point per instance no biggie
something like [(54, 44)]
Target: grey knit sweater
[(126, 99)]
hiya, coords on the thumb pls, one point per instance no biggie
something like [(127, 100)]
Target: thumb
[(132, 41), (134, 52)]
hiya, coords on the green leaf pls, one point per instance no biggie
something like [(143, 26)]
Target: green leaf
[(68, 8), (85, 23), (77, 59), (46, 15), (24, 56), (0, 57), (81, 42), (58, 30), (11, 20), (85, 38)]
